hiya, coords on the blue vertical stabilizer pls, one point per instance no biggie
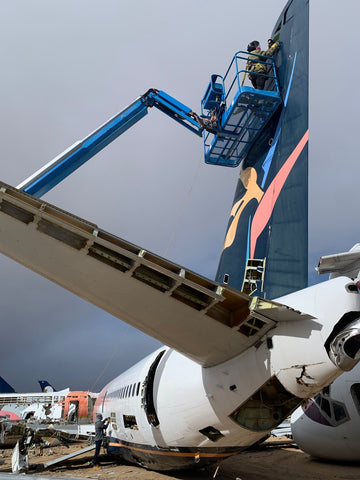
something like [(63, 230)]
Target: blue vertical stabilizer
[(265, 249), (5, 387)]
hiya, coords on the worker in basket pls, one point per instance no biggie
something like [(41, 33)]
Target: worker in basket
[(258, 72)]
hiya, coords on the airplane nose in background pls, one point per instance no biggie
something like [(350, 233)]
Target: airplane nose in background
[(344, 349)]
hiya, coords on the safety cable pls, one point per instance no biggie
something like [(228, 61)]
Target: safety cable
[(111, 358), (186, 201)]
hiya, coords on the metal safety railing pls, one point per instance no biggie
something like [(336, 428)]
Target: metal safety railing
[(237, 111), (237, 75)]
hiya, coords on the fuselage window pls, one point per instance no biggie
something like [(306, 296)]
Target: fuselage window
[(133, 390), (130, 422), (138, 389)]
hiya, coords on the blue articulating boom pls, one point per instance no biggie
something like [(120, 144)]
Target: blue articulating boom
[(228, 132), (67, 162)]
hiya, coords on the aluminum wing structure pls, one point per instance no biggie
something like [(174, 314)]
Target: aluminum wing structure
[(173, 305)]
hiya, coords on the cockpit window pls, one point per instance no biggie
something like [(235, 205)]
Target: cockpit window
[(339, 411), (325, 406), (355, 393), (333, 412)]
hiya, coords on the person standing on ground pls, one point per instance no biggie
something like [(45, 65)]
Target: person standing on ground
[(100, 427)]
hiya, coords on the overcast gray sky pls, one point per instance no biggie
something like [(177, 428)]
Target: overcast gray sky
[(69, 65)]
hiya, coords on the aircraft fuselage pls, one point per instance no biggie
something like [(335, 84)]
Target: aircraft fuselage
[(168, 412)]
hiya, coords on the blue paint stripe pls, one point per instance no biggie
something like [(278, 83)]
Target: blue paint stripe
[(267, 162)]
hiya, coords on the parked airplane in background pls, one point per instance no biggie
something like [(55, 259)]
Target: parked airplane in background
[(5, 387), (51, 406), (328, 426), (45, 386), (235, 365), (14, 406)]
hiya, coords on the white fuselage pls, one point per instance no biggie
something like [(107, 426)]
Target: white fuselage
[(169, 412)]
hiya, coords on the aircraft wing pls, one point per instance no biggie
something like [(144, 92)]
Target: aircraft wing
[(208, 322)]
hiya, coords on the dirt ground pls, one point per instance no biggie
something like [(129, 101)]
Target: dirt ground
[(269, 463)]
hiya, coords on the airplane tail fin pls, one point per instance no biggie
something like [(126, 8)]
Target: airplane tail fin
[(5, 387), (265, 249), (45, 386)]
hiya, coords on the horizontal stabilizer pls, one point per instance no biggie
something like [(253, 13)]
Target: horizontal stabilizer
[(208, 322), (341, 264)]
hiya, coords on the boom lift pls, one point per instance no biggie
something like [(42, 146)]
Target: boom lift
[(228, 131)]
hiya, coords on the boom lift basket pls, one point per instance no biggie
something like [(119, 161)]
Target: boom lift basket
[(249, 110)]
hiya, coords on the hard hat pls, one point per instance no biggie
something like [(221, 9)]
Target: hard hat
[(253, 45), (99, 416)]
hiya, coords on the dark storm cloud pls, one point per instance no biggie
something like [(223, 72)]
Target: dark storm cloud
[(66, 68)]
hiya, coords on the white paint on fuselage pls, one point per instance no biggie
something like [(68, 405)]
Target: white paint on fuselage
[(189, 398)]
